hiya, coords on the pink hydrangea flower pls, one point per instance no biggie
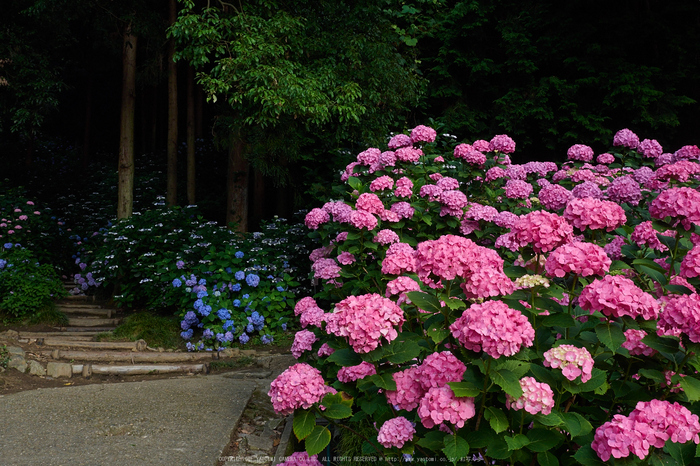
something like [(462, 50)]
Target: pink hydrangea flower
[(301, 458), (346, 258), (325, 350), (369, 156), (408, 154), (431, 191), (587, 189), (493, 327), (620, 438), (681, 313), (365, 320), (541, 230), (314, 316), (605, 158), (326, 269), (423, 134), (634, 345), (682, 204), (389, 216), (300, 386), (495, 173), (362, 219), (554, 196), (518, 189), (403, 209), (624, 189), (690, 265), (580, 152), (481, 145), (687, 152), (616, 296), (573, 361), (578, 258), (303, 341), (315, 218), (353, 373), (408, 390), (506, 219), (339, 210), (404, 187), (476, 211), (614, 248), (594, 214), (682, 171), (644, 234), (400, 258), (396, 432), (441, 405), (400, 140), (400, 286), (381, 183), (486, 277), (536, 398), (445, 258), (626, 138), (461, 150), (369, 202), (452, 202), (501, 143), (386, 237), (439, 368), (320, 253), (303, 304), (650, 148)]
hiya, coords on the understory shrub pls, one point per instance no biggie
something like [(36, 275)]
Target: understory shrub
[(481, 311), (224, 286)]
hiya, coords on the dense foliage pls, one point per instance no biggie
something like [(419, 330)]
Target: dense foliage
[(479, 310)]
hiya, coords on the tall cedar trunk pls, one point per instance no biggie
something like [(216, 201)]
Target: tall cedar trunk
[(171, 190), (237, 187), (258, 200), (125, 190), (190, 137)]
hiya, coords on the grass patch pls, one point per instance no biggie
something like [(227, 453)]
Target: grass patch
[(50, 315), (4, 356), (243, 361), (157, 331)]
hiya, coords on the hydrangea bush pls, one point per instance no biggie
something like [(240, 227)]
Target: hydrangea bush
[(225, 287), (480, 310)]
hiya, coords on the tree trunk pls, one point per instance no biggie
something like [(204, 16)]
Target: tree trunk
[(237, 187), (125, 189), (171, 191), (190, 137)]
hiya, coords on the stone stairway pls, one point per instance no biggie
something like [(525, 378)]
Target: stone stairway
[(73, 350)]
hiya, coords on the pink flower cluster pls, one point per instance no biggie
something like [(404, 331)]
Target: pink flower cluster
[(493, 327), (634, 345), (400, 286), (650, 148), (644, 234), (399, 140), (541, 230), (396, 432), (404, 187), (300, 386), (536, 398), (408, 389), (470, 154), (624, 189), (687, 152), (326, 269), (365, 320), (573, 361), (682, 204), (616, 296), (650, 424), (441, 405), (439, 368), (681, 313), (626, 138), (501, 143), (315, 218), (362, 219), (381, 183), (518, 189), (690, 265), (554, 196), (682, 171), (594, 214), (400, 258), (580, 152), (352, 373), (386, 237), (578, 258), (423, 133), (303, 341)]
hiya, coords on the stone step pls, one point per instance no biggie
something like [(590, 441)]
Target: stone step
[(76, 298), (59, 369), (139, 345), (78, 336), (92, 322), (85, 330), (128, 356), (106, 313)]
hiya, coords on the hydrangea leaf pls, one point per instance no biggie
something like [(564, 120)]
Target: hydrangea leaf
[(559, 320), (438, 334), (598, 379), (337, 411), (497, 419), (464, 389), (661, 344), (317, 440), (576, 425), (543, 439), (456, 448), (516, 442), (424, 301), (508, 381), (303, 424), (398, 352), (550, 420), (691, 388), (546, 458), (385, 381), (345, 357), (433, 440), (519, 368), (611, 335)]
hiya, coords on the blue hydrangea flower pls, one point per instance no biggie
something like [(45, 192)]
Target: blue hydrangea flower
[(236, 303), (3, 263), (205, 310), (228, 270), (198, 304), (192, 281), (202, 294), (184, 325), (256, 320), (190, 318), (284, 326), (244, 338), (249, 328), (228, 336), (239, 254), (267, 339), (190, 346), (252, 280), (245, 296), (236, 287), (8, 245), (180, 265), (187, 334), (202, 282), (200, 346), (240, 275), (224, 314), (220, 337), (207, 334), (280, 288), (177, 283), (228, 325), (270, 277)]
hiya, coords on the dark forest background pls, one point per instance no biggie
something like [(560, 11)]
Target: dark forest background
[(250, 108)]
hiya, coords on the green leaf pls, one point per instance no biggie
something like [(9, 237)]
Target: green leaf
[(576, 425), (399, 352), (345, 357), (455, 304), (438, 334), (598, 379), (661, 344), (653, 273), (559, 320), (317, 440), (498, 449), (384, 380), (303, 424), (543, 439), (550, 420), (464, 389), (456, 448), (516, 442), (691, 388), (678, 289), (355, 182), (683, 453), (337, 411), (433, 440), (424, 301), (497, 419), (587, 456), (508, 381), (546, 458), (481, 438), (611, 335)]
